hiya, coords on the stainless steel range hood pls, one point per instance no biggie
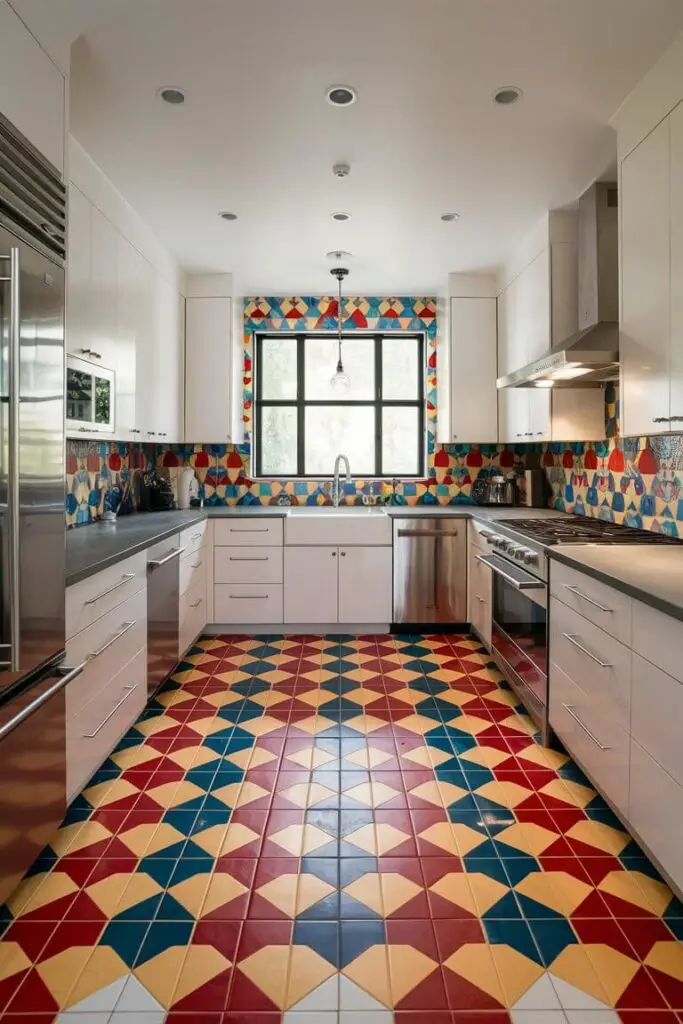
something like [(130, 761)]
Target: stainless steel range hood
[(589, 358)]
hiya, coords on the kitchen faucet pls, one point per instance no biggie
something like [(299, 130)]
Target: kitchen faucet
[(335, 485)]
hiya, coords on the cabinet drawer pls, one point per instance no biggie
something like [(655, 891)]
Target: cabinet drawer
[(658, 638), (591, 735), (606, 607), (193, 569), (595, 661), (109, 643), (88, 601), (657, 716), (248, 565), (655, 812), (243, 603), (480, 586), (192, 616), (194, 537), (253, 532), (92, 734)]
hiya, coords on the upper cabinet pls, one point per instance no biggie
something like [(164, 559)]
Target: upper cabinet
[(212, 392), (32, 89), (473, 404)]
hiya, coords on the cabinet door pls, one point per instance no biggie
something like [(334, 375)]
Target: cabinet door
[(310, 584), (78, 273), (365, 584), (513, 412), (167, 364), (539, 414), (126, 345), (104, 290), (208, 370), (533, 309), (474, 403), (31, 87), (676, 411), (144, 348), (645, 285)]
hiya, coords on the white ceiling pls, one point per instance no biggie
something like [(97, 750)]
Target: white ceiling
[(256, 135)]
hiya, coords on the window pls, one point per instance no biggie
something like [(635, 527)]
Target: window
[(300, 425)]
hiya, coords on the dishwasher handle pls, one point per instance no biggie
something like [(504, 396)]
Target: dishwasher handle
[(156, 563), (436, 534)]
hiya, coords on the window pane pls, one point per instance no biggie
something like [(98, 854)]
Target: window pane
[(400, 368), (278, 441), (278, 368), (358, 355), (400, 453), (332, 429)]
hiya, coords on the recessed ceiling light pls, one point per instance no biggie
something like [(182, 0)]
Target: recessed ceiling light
[(506, 95), (450, 216), (171, 94), (341, 95), (227, 216), (341, 216)]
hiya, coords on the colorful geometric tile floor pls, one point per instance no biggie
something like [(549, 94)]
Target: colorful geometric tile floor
[(340, 831)]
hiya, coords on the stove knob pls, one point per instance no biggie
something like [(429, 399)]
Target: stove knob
[(513, 550), (501, 544), (521, 554), (530, 558)]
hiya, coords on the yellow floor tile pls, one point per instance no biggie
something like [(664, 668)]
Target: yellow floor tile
[(307, 970), (160, 974), (474, 962), (408, 968), (201, 964), (370, 971), (267, 969)]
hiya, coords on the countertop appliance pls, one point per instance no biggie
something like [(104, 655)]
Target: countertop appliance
[(519, 564), (500, 490), (156, 492), (590, 357), (32, 548), (188, 487), (163, 600), (430, 571), (535, 489)]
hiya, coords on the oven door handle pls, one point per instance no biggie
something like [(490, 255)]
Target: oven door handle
[(530, 583)]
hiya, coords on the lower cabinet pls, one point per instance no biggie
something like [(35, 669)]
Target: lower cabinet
[(479, 586), (338, 584)]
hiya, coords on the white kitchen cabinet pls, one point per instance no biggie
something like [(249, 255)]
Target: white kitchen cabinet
[(645, 340), (676, 219), (311, 584), (166, 416), (144, 348), (208, 369), (365, 584), (103, 291), (473, 339), (32, 89), (126, 340), (479, 584), (78, 296)]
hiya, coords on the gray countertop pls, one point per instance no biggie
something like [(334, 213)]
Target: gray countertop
[(649, 573), (89, 549)]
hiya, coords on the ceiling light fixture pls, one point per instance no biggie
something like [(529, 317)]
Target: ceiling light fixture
[(340, 383), (448, 217), (339, 254), (172, 95), (341, 216), (506, 95), (341, 95), (226, 215)]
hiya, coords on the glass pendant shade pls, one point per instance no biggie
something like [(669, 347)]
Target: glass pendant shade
[(340, 383)]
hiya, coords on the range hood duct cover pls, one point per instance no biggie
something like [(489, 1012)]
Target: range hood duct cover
[(590, 357)]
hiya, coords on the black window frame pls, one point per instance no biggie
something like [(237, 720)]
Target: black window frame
[(378, 403)]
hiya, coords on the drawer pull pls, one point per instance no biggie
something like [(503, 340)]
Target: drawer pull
[(261, 558), (569, 708), (482, 600), (584, 597), (249, 530), (197, 603), (571, 637), (117, 636), (248, 597), (195, 565), (195, 536), (129, 690), (126, 578)]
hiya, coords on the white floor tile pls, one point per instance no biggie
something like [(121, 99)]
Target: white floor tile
[(572, 998), (324, 997), (538, 1017), (541, 996)]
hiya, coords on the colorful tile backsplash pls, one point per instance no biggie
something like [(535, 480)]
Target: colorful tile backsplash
[(634, 481)]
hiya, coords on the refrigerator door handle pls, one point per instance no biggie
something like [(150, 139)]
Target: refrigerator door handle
[(13, 398)]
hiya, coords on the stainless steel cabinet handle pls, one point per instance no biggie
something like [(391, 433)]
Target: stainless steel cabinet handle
[(151, 433), (240, 558), (117, 636), (129, 691), (482, 600), (248, 597), (156, 563), (248, 530), (584, 597), (571, 637), (661, 419), (195, 536), (569, 708), (436, 534), (66, 678), (134, 431), (531, 584), (95, 355), (126, 578), (85, 351), (14, 383), (676, 419), (334, 554), (343, 554), (197, 603), (196, 565)]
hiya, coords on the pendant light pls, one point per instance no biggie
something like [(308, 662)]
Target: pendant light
[(340, 383)]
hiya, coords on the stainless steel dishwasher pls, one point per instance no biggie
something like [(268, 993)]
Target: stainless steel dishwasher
[(163, 611), (430, 571)]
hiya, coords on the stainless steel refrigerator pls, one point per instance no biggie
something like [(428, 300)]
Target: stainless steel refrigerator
[(32, 634)]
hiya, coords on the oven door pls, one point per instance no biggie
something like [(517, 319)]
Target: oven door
[(519, 632), (90, 397)]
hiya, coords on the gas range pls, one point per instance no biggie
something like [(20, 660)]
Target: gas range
[(524, 541)]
